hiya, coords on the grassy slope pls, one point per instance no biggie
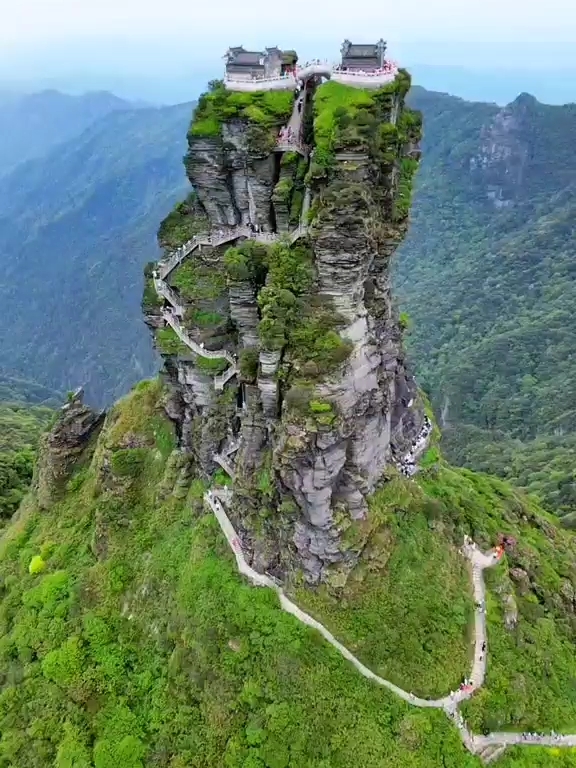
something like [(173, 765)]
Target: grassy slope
[(156, 653), (410, 622)]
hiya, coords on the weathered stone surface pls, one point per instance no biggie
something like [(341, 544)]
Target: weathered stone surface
[(62, 447), (206, 168), (244, 312), (302, 482), (251, 176)]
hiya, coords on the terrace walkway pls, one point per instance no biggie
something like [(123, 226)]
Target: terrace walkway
[(353, 78)]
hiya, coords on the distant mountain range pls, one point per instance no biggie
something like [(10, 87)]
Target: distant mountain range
[(488, 276), (31, 124), (76, 228)]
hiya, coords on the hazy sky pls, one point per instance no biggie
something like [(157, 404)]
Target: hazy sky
[(26, 21), (166, 50)]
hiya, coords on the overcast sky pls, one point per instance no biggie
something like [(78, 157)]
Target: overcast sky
[(491, 20), (78, 45)]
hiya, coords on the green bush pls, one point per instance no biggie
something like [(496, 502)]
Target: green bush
[(198, 282), (211, 365), (150, 299), (249, 360), (247, 262), (283, 190), (37, 565), (319, 406), (128, 462), (205, 319), (168, 342), (265, 109), (182, 223)]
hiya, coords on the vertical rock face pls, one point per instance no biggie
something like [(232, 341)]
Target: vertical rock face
[(322, 401)]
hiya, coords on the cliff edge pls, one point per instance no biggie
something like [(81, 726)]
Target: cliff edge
[(273, 311)]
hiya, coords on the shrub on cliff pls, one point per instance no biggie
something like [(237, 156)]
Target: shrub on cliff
[(182, 223), (267, 109)]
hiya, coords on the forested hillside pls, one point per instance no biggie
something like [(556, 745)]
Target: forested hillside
[(76, 228), (488, 276), (20, 428), (31, 124), (129, 639)]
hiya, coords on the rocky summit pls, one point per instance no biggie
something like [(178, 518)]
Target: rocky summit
[(273, 311)]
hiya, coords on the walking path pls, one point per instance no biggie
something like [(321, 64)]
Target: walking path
[(488, 747), (290, 137), (176, 311)]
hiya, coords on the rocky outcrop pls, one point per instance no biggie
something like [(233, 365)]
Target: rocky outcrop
[(206, 169), (62, 448), (320, 414), (504, 152)]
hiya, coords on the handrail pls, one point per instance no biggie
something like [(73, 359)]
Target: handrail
[(176, 326), (221, 379), (225, 464)]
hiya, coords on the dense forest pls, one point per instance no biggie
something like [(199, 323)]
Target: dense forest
[(77, 226), (488, 277), (20, 427)]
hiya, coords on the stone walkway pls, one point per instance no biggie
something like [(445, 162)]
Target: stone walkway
[(488, 747), (173, 315)]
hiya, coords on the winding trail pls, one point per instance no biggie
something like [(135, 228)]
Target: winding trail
[(172, 316), (488, 747)]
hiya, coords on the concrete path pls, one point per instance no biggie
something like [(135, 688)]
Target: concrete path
[(488, 747)]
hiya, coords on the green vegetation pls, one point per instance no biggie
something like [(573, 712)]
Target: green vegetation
[(168, 342), (283, 190), (249, 361), (247, 262), (186, 220), (322, 412), (295, 320), (412, 582), (197, 281), (128, 638), (150, 299), (151, 650), (211, 365), (406, 610), (205, 319), (265, 110), (347, 118), (492, 291), (532, 667), (20, 428), (403, 199)]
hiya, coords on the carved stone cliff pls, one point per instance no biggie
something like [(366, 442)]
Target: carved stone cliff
[(317, 400)]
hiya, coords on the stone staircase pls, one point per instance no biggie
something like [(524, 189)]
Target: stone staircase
[(221, 379), (351, 157), (176, 326), (165, 267), (164, 290), (225, 464)]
